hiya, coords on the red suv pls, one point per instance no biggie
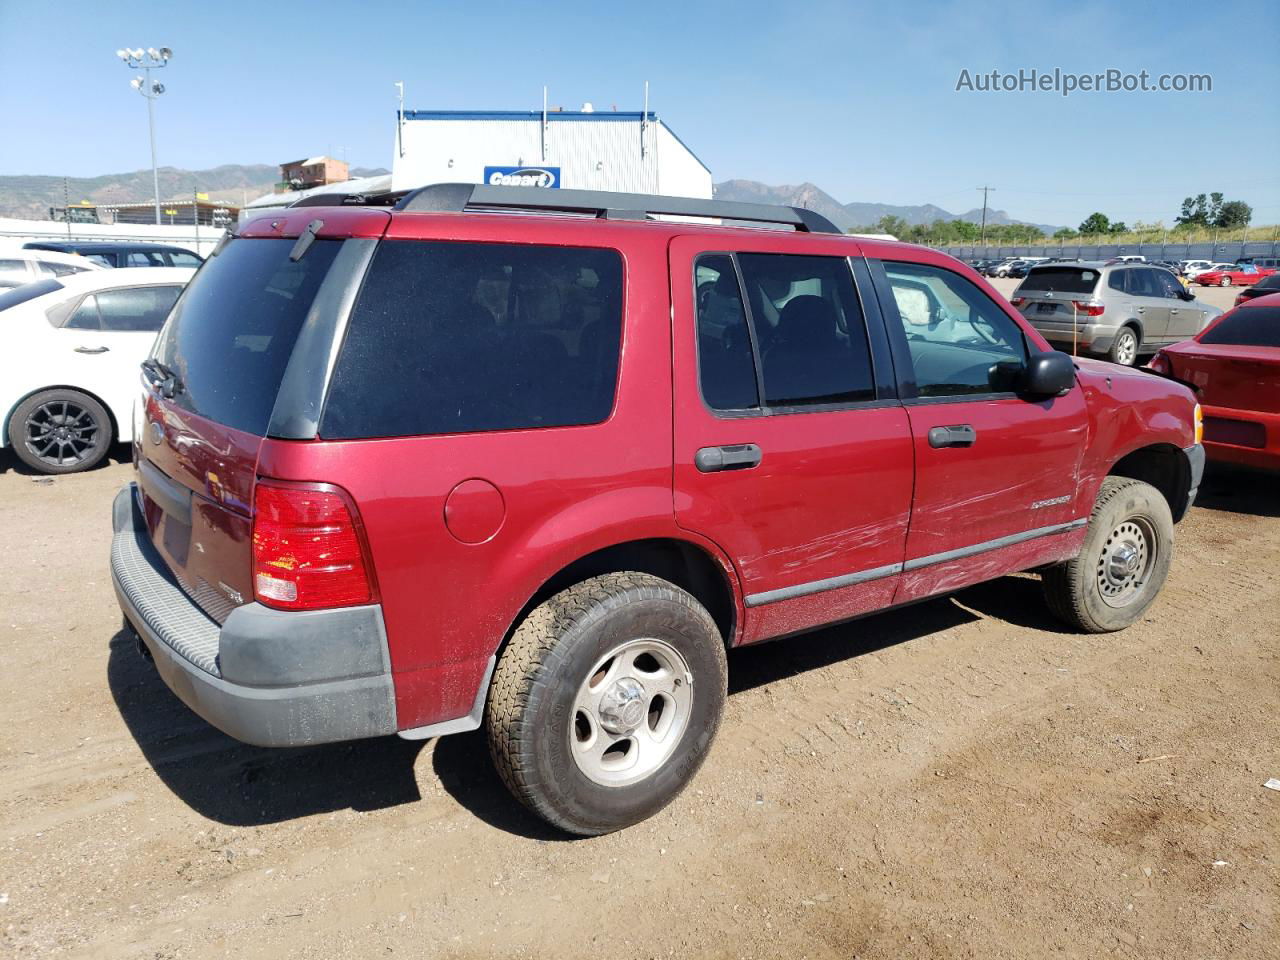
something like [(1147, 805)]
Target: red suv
[(419, 469)]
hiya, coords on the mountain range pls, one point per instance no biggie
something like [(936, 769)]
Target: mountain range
[(30, 197), (858, 214)]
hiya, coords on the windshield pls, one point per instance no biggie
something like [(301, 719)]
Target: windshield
[(1246, 327), (27, 292)]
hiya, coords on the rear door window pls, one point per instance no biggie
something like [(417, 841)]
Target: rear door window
[(230, 336), (726, 366), (141, 309), (451, 337), (145, 258)]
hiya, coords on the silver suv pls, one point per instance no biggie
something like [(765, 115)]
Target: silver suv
[(1115, 310)]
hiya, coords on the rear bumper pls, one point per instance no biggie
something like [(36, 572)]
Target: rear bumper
[(267, 677), (1266, 457), (1090, 337)]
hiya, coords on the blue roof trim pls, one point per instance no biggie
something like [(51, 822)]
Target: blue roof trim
[(604, 115)]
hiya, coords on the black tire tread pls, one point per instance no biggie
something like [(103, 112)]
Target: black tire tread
[(531, 661), (1063, 583)]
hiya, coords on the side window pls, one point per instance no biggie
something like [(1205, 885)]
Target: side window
[(1144, 283), (809, 329), (1116, 280), (136, 308), (101, 259), (959, 340), (13, 273), (181, 259), (85, 316), (145, 258), (456, 337), (726, 367), (1169, 285)]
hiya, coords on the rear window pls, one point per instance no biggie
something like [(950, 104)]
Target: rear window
[(1060, 280), (231, 334), (1247, 327), (463, 337), (28, 291)]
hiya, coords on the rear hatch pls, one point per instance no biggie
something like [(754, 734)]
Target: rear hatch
[(1050, 295), (210, 388)]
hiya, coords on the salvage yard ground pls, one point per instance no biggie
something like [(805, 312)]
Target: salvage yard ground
[(963, 778)]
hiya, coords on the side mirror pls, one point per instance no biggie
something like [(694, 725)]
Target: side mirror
[(1186, 294), (1049, 375)]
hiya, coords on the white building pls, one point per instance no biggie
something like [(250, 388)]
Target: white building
[(631, 152)]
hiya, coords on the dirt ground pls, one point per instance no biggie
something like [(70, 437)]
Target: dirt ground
[(959, 779)]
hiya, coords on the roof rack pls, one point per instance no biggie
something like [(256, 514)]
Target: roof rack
[(458, 197)]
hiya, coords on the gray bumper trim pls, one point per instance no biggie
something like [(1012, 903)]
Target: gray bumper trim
[(1195, 461), (275, 699)]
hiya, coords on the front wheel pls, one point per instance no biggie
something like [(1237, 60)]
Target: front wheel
[(1224, 282), (1123, 563), (606, 700), (60, 431)]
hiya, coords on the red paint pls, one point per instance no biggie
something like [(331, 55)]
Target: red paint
[(836, 493), (1239, 392), (1234, 277)]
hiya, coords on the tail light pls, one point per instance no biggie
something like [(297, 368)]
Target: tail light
[(1018, 301), (308, 548), (1160, 364), (1240, 298), (1088, 309)]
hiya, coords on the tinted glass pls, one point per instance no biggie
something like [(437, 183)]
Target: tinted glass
[(1247, 327), (463, 337), (28, 291), (101, 258), (1080, 280), (136, 308), (1144, 283), (959, 340), (13, 273), (1118, 280), (1168, 283), (809, 329), (145, 258), (59, 269), (1271, 282), (231, 335), (726, 367), (85, 316), (181, 259)]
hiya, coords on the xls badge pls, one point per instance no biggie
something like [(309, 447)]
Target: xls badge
[(1041, 504)]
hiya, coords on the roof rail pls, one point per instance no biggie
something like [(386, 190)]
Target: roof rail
[(335, 199), (458, 197)]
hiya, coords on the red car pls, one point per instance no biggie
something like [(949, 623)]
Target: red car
[(1236, 276), (420, 469), (1235, 365)]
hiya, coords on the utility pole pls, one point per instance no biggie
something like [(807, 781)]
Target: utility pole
[(66, 205), (984, 190), (148, 60)]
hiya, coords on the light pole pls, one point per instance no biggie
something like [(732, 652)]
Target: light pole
[(136, 58)]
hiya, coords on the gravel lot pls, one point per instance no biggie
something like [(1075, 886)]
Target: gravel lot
[(959, 779)]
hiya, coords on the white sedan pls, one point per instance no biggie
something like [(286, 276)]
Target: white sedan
[(23, 266), (70, 352)]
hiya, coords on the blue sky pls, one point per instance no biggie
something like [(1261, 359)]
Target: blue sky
[(858, 98)]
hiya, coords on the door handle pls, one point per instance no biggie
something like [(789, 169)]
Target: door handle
[(1141, 309), (960, 435), (92, 349), (737, 456)]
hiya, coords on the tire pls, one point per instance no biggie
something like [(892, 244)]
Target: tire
[(1124, 349), (60, 431), (549, 749), (1097, 591), (1224, 282)]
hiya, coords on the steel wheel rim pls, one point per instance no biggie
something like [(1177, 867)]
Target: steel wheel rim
[(630, 712), (1127, 350), (1224, 282), (1125, 564), (61, 432)]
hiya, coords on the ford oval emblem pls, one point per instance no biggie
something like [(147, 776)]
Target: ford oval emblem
[(157, 432)]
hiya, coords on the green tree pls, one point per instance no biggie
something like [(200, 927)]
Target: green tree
[(1117, 227), (1195, 212), (1096, 223), (1066, 233), (1233, 213)]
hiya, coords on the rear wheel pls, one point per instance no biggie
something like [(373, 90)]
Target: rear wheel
[(1124, 349), (1123, 563), (606, 700), (60, 431)]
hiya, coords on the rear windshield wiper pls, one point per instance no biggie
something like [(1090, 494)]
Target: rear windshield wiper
[(162, 377)]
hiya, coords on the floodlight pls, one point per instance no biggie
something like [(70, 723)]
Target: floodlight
[(165, 53)]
